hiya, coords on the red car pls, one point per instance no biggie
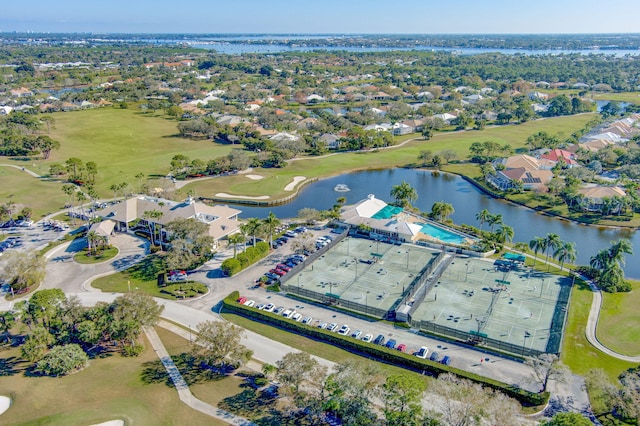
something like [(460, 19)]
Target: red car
[(283, 267), (278, 272), (241, 300), (402, 347)]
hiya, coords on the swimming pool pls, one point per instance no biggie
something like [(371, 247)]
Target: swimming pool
[(442, 234)]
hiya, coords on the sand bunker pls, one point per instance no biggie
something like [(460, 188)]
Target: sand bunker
[(292, 185), (111, 423), (5, 403), (224, 195), (255, 177)]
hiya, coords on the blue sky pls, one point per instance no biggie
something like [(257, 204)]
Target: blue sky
[(323, 16)]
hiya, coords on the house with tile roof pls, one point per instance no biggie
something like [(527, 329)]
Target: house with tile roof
[(560, 156), (129, 215), (596, 197)]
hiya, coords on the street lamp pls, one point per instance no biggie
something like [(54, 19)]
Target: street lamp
[(408, 251), (190, 334), (356, 263), (366, 300), (299, 275)]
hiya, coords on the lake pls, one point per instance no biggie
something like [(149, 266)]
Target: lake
[(467, 201)]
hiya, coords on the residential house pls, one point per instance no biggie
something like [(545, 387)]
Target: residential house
[(530, 179), (560, 156), (595, 145), (331, 141), (596, 197), (399, 129), (129, 216), (21, 92)]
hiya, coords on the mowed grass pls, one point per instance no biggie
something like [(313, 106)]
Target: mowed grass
[(109, 388), (276, 179), (619, 322), (41, 195), (142, 276), (577, 352), (123, 143)]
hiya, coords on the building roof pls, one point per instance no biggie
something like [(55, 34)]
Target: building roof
[(104, 228), (599, 192), (521, 161)]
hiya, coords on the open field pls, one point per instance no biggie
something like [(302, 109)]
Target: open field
[(123, 143), (276, 179), (633, 97), (619, 322), (109, 388), (41, 195)]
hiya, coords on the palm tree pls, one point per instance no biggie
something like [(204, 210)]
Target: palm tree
[(494, 219), (404, 194), (151, 216), (504, 233), (483, 217), (553, 242), (538, 244), (92, 241), (235, 239), (618, 249), (566, 252), (270, 223), (440, 210), (253, 225)]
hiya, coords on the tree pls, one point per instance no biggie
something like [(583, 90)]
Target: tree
[(494, 219), (7, 320), (565, 252), (270, 223), (552, 243), (151, 217), (568, 419), (404, 194), (130, 313), (218, 345), (296, 368), (546, 367), (425, 157), (440, 211), (538, 244), (234, 240), (401, 395), (483, 216), (62, 360), (309, 215), (36, 345), (504, 233), (253, 226), (23, 269), (352, 389)]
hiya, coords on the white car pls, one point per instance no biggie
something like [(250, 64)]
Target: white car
[(249, 303), (322, 324), (332, 327), (356, 334), (307, 320), (297, 317), (289, 313), (270, 307), (367, 338), (422, 352), (261, 306), (278, 310), (344, 330)]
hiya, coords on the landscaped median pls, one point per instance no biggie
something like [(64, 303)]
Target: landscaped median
[(382, 353)]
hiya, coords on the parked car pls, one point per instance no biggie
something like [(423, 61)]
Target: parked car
[(249, 303), (260, 306), (279, 272), (344, 330), (283, 267), (307, 320), (290, 234), (446, 360), (332, 327), (379, 340), (356, 334), (241, 300), (422, 352), (391, 344), (279, 310), (402, 347), (289, 313), (297, 317), (270, 307), (434, 356), (322, 324), (367, 338)]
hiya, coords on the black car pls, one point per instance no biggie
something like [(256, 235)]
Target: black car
[(379, 340)]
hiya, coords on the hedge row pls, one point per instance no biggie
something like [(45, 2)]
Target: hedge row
[(382, 353), (185, 290), (248, 257)]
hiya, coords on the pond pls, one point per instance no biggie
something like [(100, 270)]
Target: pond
[(467, 201)]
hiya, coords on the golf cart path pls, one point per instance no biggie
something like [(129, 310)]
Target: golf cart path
[(183, 388), (24, 169)]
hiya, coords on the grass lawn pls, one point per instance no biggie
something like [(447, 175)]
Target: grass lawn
[(577, 352), (142, 276), (633, 97), (41, 195), (619, 322), (275, 180), (123, 143), (105, 254), (110, 388)]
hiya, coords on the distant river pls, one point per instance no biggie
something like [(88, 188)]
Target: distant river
[(467, 200)]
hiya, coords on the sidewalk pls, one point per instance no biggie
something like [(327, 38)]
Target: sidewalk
[(183, 388)]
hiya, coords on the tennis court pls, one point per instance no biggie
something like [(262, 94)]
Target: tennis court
[(519, 309), (362, 273)]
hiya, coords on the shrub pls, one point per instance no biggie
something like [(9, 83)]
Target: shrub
[(133, 350), (62, 360), (231, 266)]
